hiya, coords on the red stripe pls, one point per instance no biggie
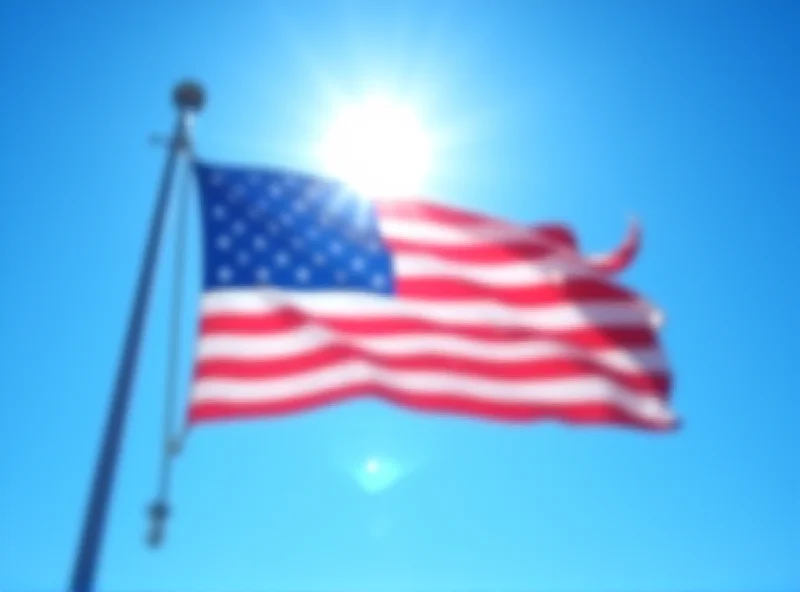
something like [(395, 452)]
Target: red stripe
[(545, 369), (579, 413), (287, 319), (571, 290), (558, 234), (622, 257)]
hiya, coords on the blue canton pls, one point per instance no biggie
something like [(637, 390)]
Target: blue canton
[(272, 228)]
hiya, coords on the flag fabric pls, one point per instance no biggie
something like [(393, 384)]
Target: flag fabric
[(313, 295)]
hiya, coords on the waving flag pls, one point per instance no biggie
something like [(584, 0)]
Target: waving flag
[(313, 295)]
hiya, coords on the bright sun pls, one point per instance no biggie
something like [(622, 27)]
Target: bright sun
[(379, 147)]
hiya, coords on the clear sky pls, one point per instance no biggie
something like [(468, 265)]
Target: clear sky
[(686, 114)]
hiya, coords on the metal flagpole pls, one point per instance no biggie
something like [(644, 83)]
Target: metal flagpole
[(188, 98)]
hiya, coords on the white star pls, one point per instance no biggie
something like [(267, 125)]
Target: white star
[(297, 242), (253, 179), (274, 189), (319, 259), (282, 258), (314, 190), (216, 179), (223, 242), (358, 264), (274, 228), (243, 258), (374, 245), (336, 248), (341, 276), (312, 233), (300, 206), (286, 218), (378, 281), (224, 274), (259, 242), (236, 192), (239, 228), (302, 274), (219, 212), (262, 274)]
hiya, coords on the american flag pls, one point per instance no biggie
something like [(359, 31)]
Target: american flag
[(314, 295)]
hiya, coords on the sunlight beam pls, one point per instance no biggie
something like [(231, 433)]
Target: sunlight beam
[(379, 147)]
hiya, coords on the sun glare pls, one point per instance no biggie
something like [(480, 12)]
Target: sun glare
[(379, 147)]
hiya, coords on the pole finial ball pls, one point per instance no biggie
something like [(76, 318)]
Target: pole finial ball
[(189, 95)]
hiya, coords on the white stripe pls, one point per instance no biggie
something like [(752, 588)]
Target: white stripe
[(502, 275), (308, 339), (449, 234), (577, 391), (477, 312)]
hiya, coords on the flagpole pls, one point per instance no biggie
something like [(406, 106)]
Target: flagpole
[(188, 98)]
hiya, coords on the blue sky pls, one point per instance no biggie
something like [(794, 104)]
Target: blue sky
[(684, 114)]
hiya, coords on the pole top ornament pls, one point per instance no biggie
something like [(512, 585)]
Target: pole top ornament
[(189, 95)]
